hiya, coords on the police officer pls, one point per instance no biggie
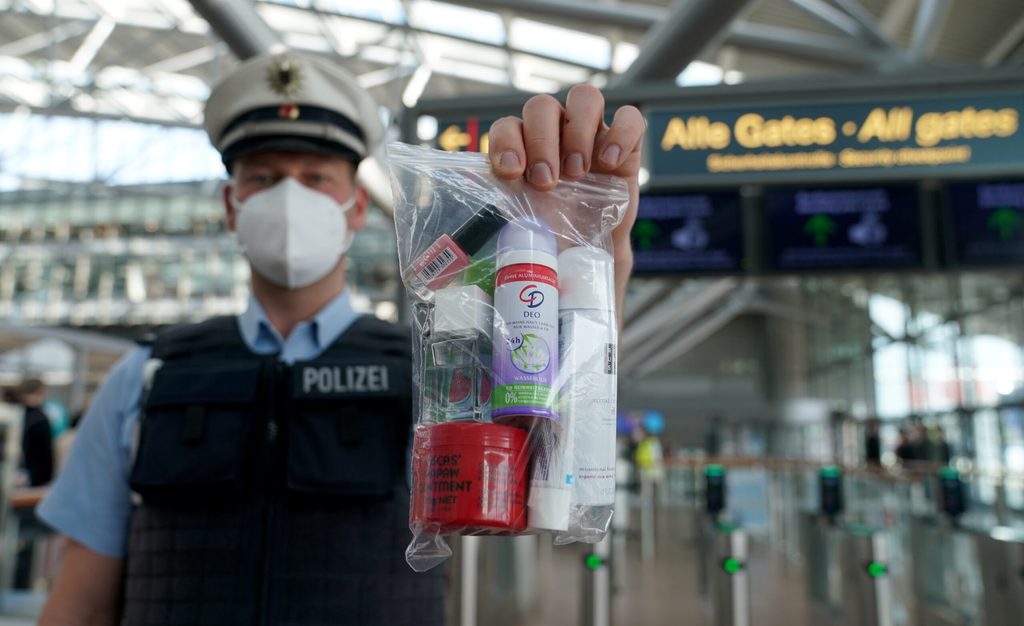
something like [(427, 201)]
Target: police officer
[(251, 469)]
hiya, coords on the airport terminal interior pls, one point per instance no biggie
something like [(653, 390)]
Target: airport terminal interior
[(820, 374)]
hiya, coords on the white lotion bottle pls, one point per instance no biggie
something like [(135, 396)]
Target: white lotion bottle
[(551, 475), (588, 346)]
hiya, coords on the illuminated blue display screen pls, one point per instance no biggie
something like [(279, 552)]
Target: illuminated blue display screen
[(688, 233), (987, 222), (857, 228)]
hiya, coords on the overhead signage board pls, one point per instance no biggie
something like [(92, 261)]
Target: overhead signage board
[(471, 133), (676, 233), (987, 222), (959, 133), (464, 134), (856, 228)]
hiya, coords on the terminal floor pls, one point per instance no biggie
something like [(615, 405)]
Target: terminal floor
[(665, 592)]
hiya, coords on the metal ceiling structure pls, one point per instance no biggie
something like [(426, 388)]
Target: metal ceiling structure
[(239, 26), (154, 61), (672, 43)]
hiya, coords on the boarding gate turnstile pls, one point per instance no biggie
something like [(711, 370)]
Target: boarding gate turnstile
[(1001, 558), (945, 565), (846, 566), (846, 570), (728, 579), (714, 504), (596, 592), (723, 581), (866, 589), (939, 552)]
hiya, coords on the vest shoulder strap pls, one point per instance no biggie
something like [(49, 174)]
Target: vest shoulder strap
[(218, 334), (371, 334)]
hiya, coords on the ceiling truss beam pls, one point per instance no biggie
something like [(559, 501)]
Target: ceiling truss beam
[(688, 338), (38, 41), (803, 45), (647, 294), (827, 14), (896, 16), (184, 61), (92, 44), (670, 46), (1005, 47), (405, 28), (689, 301), (870, 28), (597, 13), (928, 27), (240, 26)]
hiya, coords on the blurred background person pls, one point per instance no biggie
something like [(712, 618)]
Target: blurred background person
[(938, 449), (36, 434), (905, 451), (873, 444)]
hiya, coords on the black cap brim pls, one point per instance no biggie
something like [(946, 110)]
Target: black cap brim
[(286, 143)]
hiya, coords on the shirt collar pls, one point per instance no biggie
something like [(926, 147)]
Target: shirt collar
[(326, 326)]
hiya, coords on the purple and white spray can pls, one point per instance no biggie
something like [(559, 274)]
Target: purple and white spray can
[(525, 361)]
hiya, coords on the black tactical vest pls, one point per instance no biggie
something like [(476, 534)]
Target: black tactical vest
[(275, 494)]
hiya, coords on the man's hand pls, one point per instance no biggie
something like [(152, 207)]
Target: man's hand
[(551, 142)]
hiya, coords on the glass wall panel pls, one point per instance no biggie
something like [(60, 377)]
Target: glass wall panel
[(942, 350)]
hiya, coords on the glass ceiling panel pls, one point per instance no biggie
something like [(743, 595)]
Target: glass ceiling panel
[(290, 20), (625, 54), (181, 85), (474, 72), (174, 89), (136, 154), (457, 20), (544, 72), (563, 43), (390, 11), (117, 152), (16, 68), (307, 41), (27, 92), (186, 17), (439, 50), (388, 56)]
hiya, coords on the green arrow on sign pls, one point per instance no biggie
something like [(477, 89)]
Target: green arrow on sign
[(1006, 221), (820, 227), (645, 232)]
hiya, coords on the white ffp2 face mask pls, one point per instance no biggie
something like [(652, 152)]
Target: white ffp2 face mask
[(293, 235)]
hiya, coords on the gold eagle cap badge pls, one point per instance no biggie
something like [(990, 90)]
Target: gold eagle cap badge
[(285, 77)]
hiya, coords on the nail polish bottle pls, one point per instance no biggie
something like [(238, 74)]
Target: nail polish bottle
[(450, 254)]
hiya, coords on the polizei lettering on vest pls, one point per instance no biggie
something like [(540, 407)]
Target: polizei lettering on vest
[(345, 379)]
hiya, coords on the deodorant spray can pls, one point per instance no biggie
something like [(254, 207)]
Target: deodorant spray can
[(525, 361)]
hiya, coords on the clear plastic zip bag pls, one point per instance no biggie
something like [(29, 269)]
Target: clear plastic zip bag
[(514, 342)]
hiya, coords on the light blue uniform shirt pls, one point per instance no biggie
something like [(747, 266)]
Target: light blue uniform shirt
[(91, 501)]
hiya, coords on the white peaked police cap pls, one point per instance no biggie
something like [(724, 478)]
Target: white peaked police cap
[(291, 101)]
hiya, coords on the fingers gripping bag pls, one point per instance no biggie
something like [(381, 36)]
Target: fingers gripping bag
[(514, 348)]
